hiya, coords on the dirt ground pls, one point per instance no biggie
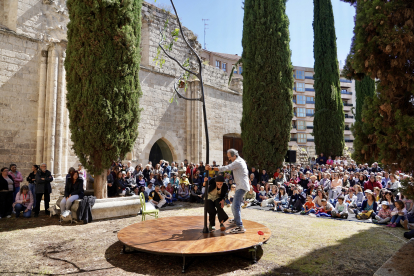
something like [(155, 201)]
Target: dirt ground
[(300, 245)]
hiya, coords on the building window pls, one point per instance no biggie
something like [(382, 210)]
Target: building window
[(301, 125), (300, 87), (235, 69), (218, 64), (301, 112), (300, 99), (240, 69), (224, 67), (302, 138), (310, 112), (310, 100), (300, 75)]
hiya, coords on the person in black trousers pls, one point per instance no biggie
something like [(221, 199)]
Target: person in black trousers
[(215, 203), (43, 189)]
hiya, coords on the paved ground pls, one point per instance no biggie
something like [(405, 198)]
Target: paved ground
[(300, 245)]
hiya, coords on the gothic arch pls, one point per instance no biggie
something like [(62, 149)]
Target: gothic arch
[(170, 139)]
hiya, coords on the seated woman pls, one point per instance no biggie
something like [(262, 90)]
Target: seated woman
[(196, 195), (270, 198), (368, 208), (320, 194), (183, 193), (281, 200), (73, 191), (215, 203), (24, 202), (399, 213), (167, 195)]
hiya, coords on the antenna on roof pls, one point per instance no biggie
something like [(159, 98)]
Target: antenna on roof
[(205, 28)]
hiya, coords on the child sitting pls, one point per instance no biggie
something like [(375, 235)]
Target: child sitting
[(262, 194), (399, 213), (384, 215), (350, 198), (309, 206), (325, 210), (341, 209)]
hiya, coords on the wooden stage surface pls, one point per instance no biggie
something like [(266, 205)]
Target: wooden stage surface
[(183, 236)]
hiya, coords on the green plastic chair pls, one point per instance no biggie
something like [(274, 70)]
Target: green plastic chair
[(151, 212)]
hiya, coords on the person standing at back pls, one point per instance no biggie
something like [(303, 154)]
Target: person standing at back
[(43, 188), (241, 179)]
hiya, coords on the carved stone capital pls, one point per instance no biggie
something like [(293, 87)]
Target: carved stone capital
[(44, 53)]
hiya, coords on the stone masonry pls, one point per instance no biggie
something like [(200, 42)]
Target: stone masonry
[(33, 112)]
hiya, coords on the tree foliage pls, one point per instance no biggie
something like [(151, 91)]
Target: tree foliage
[(384, 42), (365, 90), (267, 83), (329, 121), (102, 66)]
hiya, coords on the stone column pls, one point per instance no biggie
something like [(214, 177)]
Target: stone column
[(41, 108), (51, 92), (60, 113)]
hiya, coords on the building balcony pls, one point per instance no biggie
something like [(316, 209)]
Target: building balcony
[(310, 140), (345, 92), (346, 96), (309, 77), (345, 80), (349, 120), (349, 140), (309, 127), (310, 102), (309, 114), (310, 89), (294, 139), (348, 104)]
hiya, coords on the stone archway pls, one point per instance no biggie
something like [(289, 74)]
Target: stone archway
[(160, 150), (170, 140)]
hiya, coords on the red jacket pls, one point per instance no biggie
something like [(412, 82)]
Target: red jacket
[(371, 185)]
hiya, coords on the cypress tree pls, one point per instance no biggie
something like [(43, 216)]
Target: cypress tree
[(383, 50), (365, 90), (329, 121), (103, 88), (267, 83)]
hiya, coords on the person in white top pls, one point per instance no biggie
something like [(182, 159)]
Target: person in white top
[(241, 179)]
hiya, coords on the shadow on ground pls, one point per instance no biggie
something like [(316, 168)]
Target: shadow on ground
[(153, 264)]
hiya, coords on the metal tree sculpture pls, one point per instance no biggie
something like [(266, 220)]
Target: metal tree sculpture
[(187, 72)]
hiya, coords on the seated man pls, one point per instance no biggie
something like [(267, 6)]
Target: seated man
[(156, 198), (215, 203)]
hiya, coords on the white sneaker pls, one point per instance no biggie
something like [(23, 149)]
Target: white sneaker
[(238, 230), (8, 216)]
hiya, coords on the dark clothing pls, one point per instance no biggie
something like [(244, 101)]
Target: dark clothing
[(321, 160), (256, 176), (4, 185), (43, 185), (146, 174), (46, 198), (85, 209), (201, 169), (110, 178), (75, 188), (213, 208), (352, 182), (155, 196), (194, 197), (212, 186), (304, 183), (264, 177), (120, 184), (31, 177), (296, 201), (254, 182), (6, 197)]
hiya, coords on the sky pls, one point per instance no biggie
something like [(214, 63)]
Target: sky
[(225, 25)]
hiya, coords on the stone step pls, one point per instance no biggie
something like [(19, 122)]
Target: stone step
[(399, 263)]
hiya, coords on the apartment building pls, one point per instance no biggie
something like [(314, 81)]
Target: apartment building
[(224, 62), (304, 109)]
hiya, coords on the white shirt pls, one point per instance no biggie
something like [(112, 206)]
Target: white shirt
[(148, 190), (240, 173)]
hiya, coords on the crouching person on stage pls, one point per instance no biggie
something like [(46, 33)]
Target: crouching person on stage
[(156, 198), (215, 203)]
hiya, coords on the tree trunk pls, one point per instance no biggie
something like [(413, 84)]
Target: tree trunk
[(100, 189)]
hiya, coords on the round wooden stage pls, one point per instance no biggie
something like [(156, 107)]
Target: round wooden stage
[(183, 236)]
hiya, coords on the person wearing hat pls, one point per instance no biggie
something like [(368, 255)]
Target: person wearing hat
[(241, 179), (215, 203), (156, 198), (384, 215), (184, 180)]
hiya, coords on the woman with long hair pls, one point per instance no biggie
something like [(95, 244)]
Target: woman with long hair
[(73, 191)]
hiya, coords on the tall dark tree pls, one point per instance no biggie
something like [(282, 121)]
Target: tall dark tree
[(365, 90), (102, 66), (384, 32), (329, 121), (267, 83)]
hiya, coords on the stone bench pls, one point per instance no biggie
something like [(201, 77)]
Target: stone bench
[(109, 207)]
